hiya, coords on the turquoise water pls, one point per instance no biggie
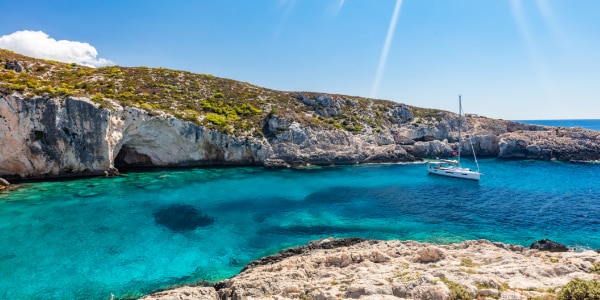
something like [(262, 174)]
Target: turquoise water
[(88, 238), (593, 124)]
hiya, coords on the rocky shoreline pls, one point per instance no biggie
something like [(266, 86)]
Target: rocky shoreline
[(372, 269), (76, 137)]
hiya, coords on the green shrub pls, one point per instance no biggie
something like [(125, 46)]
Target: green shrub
[(467, 262), (146, 106), (192, 118), (457, 291), (98, 97), (216, 119), (81, 85), (219, 94), (595, 268), (125, 95), (354, 129), (206, 105), (232, 116), (33, 84), (115, 72), (17, 87), (64, 91), (247, 109), (45, 89), (578, 289), (82, 72)]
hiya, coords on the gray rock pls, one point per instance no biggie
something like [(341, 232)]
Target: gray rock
[(548, 245), (512, 295), (431, 292), (13, 65), (431, 149), (324, 105), (430, 254), (400, 111)]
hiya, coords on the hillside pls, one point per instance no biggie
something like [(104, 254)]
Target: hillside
[(228, 105), (60, 120)]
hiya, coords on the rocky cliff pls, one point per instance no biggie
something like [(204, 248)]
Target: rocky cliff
[(57, 137), (59, 120), (367, 269), (51, 137)]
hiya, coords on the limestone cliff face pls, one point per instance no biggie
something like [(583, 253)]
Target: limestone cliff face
[(51, 137), (59, 137), (296, 144), (140, 139), (44, 137)]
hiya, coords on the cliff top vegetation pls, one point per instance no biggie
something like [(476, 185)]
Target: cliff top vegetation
[(224, 104)]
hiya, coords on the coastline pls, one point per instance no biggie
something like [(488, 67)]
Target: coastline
[(375, 269), (590, 124), (126, 136)]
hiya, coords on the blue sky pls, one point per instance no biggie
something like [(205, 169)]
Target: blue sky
[(510, 59)]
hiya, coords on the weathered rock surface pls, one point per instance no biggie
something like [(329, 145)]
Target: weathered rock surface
[(367, 269), (73, 137), (185, 293), (60, 137)]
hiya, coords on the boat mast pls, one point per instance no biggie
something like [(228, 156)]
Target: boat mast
[(459, 126)]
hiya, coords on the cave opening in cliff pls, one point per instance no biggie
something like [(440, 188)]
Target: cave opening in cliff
[(129, 158)]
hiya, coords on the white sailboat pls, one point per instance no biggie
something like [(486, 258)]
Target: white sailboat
[(452, 168)]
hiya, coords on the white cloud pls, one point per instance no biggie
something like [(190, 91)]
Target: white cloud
[(38, 44)]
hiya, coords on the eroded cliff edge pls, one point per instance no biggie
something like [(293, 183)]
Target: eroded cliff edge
[(46, 137)]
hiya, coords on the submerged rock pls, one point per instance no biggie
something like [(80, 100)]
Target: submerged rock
[(181, 218)]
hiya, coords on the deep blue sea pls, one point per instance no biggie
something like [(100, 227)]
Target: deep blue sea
[(593, 124), (88, 238)]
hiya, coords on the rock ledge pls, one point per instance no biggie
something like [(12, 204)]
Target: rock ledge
[(369, 269)]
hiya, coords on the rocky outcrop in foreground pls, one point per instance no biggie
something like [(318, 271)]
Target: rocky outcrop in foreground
[(368, 269)]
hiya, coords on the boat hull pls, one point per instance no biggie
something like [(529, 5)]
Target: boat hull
[(454, 172)]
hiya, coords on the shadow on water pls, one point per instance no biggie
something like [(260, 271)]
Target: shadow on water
[(181, 218), (440, 202)]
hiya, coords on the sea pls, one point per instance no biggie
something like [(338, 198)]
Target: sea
[(592, 124), (125, 236)]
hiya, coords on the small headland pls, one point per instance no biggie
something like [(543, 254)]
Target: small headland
[(372, 269)]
